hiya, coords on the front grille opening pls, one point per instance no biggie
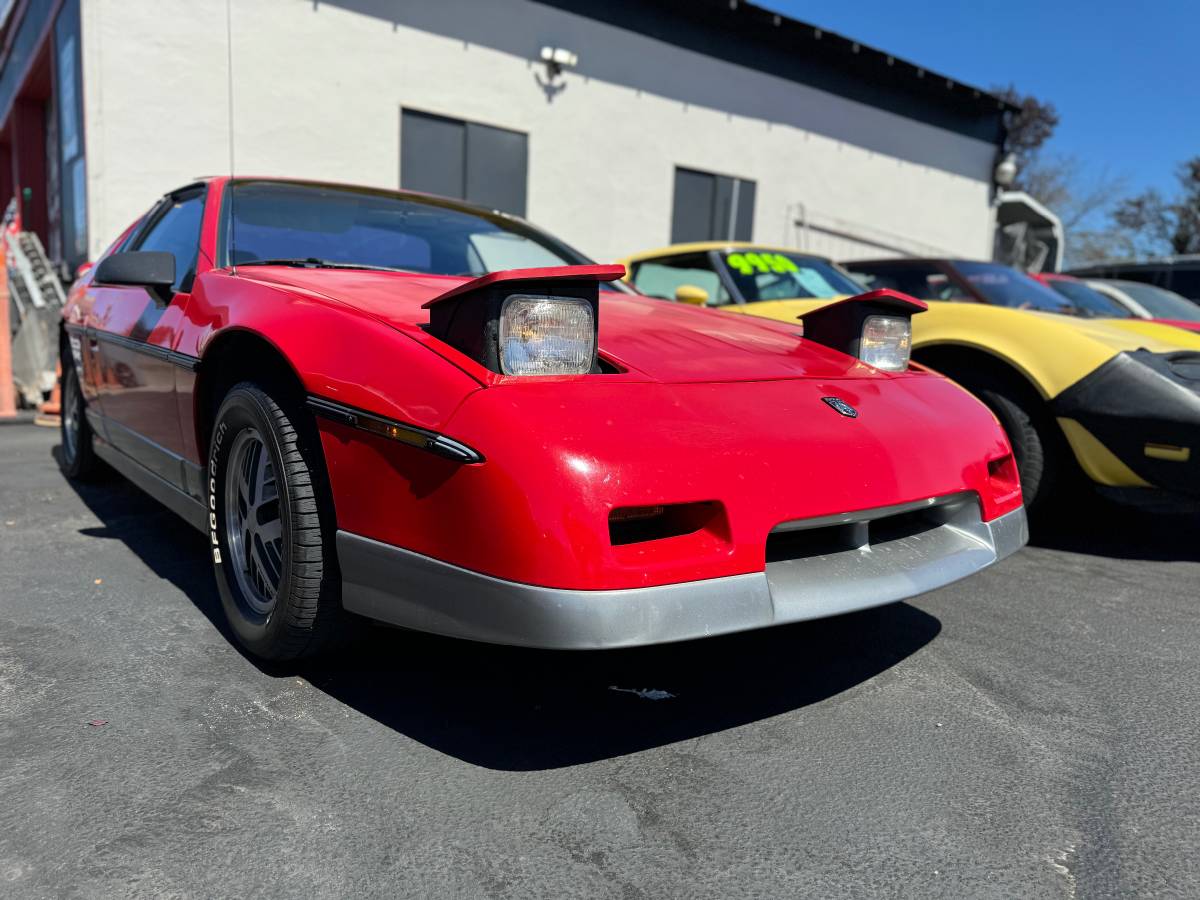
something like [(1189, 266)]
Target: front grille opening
[(899, 527), (827, 540), (811, 542), (638, 524)]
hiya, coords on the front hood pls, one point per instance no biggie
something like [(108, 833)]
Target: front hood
[(651, 339)]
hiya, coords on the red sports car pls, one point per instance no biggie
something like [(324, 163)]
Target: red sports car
[(435, 415)]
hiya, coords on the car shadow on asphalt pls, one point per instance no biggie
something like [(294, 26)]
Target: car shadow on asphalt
[(1149, 527), (517, 709)]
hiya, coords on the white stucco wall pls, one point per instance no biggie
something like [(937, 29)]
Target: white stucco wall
[(318, 90)]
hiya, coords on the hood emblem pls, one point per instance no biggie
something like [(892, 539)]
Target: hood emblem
[(842, 407)]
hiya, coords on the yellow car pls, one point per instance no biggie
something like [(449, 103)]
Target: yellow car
[(1119, 397)]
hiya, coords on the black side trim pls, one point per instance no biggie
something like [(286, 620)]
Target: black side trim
[(183, 360), (413, 435), (166, 464), (191, 510)]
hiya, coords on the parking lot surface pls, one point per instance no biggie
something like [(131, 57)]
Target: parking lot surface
[(1031, 732)]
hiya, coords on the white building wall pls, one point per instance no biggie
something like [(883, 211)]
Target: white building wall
[(318, 90)]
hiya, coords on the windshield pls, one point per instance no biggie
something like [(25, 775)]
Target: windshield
[(767, 275), (1088, 302), (378, 229), (1008, 287), (1161, 304)]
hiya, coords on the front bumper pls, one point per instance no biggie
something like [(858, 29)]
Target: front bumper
[(817, 568)]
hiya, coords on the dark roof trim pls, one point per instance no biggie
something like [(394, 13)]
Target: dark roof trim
[(757, 38)]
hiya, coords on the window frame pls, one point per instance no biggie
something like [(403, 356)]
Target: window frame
[(156, 215)]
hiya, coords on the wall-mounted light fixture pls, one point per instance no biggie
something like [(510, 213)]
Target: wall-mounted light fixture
[(1006, 171), (557, 59)]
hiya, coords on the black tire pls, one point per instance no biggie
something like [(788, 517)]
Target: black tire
[(282, 597), (76, 453), (1038, 446)]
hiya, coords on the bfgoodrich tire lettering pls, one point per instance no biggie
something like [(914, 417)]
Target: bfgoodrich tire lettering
[(271, 527)]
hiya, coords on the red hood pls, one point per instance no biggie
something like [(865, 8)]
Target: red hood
[(665, 341)]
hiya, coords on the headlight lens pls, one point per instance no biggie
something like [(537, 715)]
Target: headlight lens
[(546, 336), (886, 342)]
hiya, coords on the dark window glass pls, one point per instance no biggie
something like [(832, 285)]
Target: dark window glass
[(1087, 302), (921, 280), (176, 229), (465, 160), (364, 227), (1159, 303), (763, 274), (1008, 287), (710, 207)]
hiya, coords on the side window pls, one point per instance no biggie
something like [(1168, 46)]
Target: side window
[(176, 230), (921, 281), (662, 277)]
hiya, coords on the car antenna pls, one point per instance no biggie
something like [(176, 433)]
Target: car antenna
[(229, 81)]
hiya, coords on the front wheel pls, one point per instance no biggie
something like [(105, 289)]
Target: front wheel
[(271, 527)]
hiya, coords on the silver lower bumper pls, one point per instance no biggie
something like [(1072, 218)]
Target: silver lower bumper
[(407, 589)]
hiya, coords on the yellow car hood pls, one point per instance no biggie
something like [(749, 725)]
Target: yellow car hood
[(1053, 350)]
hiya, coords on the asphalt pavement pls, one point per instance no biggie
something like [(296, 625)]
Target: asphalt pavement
[(1033, 731)]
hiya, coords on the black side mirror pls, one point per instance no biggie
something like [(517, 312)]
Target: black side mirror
[(151, 269)]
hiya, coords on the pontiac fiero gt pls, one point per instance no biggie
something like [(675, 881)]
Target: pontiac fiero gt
[(437, 416)]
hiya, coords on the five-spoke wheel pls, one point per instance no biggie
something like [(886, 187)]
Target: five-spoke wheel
[(271, 524)]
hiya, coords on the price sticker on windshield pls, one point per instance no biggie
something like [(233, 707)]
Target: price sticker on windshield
[(750, 263)]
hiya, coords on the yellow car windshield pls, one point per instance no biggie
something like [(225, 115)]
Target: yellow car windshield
[(771, 275)]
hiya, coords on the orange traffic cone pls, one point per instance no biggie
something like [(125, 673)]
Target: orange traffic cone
[(50, 412)]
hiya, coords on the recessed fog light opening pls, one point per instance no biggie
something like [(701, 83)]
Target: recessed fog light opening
[(638, 524)]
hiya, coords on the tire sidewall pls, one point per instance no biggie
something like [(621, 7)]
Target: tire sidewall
[(241, 410), (1036, 463), (80, 462)]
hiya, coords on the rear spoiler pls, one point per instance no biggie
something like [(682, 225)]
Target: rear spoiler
[(840, 324)]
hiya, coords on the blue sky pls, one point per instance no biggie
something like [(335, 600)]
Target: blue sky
[(1123, 75)]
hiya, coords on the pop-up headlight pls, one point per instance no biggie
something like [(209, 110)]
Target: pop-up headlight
[(876, 327), (525, 321), (886, 342), (543, 335)]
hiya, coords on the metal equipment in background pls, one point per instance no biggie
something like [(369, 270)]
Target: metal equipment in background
[(35, 300)]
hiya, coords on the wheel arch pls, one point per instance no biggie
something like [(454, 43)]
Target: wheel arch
[(964, 362), (234, 355)]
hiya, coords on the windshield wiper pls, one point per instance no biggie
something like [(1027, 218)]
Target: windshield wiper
[(312, 262)]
